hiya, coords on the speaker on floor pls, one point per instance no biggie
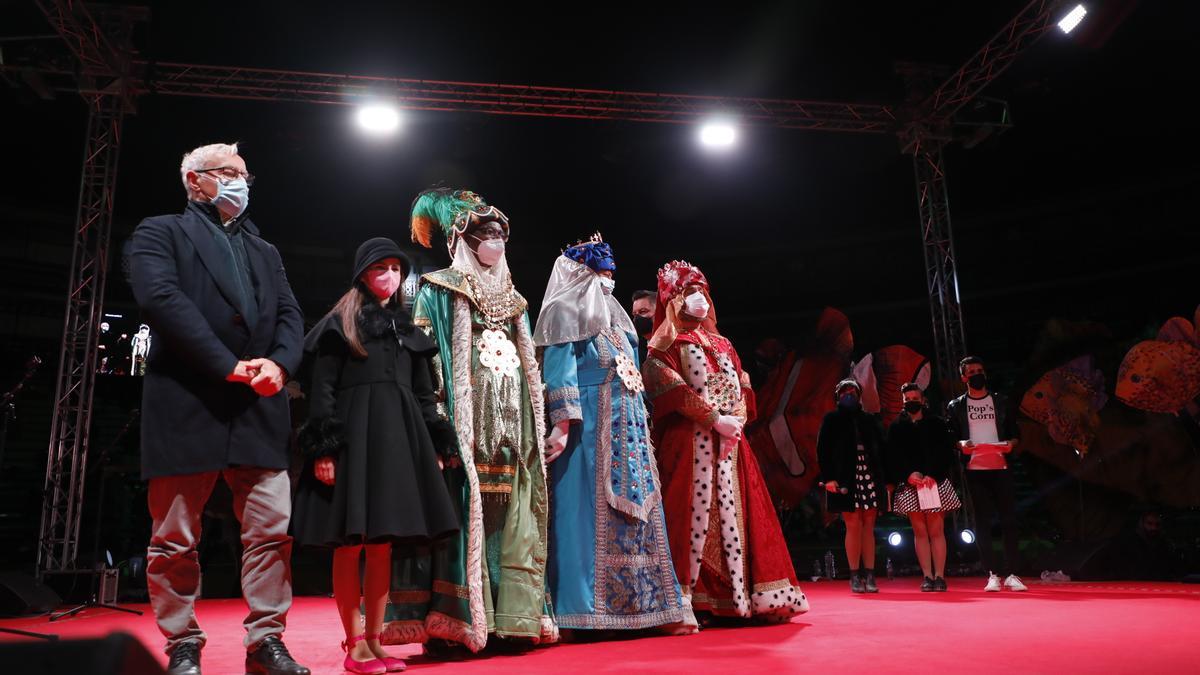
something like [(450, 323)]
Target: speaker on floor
[(117, 654), (21, 594)]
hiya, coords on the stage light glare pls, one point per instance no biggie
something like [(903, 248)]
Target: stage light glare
[(719, 135), (378, 119), (1072, 19), (968, 537), (895, 539)]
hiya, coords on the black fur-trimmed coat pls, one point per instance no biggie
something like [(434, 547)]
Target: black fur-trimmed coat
[(396, 353), (377, 416)]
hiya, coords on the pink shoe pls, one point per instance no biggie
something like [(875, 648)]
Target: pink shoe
[(391, 663), (370, 667)]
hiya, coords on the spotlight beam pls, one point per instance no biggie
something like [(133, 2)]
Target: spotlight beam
[(378, 119), (718, 134), (1072, 19)]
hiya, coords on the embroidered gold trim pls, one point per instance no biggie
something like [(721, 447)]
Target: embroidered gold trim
[(772, 586), (474, 633), (495, 469), (496, 488), (705, 601), (409, 597), (647, 560), (438, 625), (622, 621), (571, 412), (452, 590), (563, 393), (497, 307), (450, 279), (659, 378)]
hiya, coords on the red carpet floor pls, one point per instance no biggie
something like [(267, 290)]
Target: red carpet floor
[(1117, 627)]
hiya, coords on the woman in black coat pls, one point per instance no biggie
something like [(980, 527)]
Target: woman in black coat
[(374, 443), (849, 455), (921, 453)]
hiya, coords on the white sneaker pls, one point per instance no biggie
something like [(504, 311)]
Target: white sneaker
[(1049, 576), (993, 584), (1013, 583)]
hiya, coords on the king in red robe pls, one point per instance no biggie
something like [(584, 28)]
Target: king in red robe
[(729, 552)]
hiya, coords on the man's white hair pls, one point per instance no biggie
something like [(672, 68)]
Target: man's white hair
[(201, 157)]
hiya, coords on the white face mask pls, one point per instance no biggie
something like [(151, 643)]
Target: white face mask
[(234, 195), (490, 251), (696, 305), (607, 285)]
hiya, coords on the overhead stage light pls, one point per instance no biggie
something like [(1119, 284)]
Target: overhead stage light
[(718, 135), (895, 539), (968, 537), (1072, 19), (378, 119)]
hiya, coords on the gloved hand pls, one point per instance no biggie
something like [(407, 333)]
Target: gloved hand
[(728, 426), (556, 442)]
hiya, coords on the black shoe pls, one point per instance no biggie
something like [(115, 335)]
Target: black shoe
[(185, 659), (513, 646), (939, 585), (444, 650), (856, 582), (869, 581), (927, 585), (272, 657)]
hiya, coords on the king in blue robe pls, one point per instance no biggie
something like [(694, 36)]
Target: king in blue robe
[(609, 562)]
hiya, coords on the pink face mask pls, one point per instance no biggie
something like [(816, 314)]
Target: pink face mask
[(382, 279)]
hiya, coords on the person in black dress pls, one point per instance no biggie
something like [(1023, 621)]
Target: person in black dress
[(849, 455), (374, 444), (921, 453)]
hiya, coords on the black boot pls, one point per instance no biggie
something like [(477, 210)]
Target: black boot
[(927, 585), (869, 582), (856, 582), (185, 659), (272, 658)]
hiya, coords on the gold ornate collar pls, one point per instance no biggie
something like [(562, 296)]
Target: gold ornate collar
[(497, 307)]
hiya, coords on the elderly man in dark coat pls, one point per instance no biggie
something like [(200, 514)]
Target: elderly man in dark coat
[(228, 332)]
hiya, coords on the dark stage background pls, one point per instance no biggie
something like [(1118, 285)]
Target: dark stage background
[(1083, 211)]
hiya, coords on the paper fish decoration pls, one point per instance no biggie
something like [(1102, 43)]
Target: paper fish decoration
[(1159, 376), (881, 374), (791, 405), (1068, 400)]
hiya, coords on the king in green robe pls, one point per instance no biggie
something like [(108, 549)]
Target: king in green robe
[(490, 578)]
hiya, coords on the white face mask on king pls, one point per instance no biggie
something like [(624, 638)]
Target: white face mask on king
[(490, 251), (607, 285), (696, 305)]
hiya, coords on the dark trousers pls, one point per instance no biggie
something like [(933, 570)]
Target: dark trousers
[(992, 494)]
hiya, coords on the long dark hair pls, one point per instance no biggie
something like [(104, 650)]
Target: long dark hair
[(348, 307)]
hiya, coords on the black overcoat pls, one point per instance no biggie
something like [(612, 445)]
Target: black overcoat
[(193, 420)]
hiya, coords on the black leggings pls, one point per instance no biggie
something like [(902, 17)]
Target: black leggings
[(992, 494)]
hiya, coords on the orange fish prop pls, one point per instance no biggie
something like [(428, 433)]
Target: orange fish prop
[(1158, 376), (1067, 401), (881, 374), (791, 403)]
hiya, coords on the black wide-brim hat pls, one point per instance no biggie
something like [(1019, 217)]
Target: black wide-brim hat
[(373, 250)]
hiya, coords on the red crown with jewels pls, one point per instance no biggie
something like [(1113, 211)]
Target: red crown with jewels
[(676, 276)]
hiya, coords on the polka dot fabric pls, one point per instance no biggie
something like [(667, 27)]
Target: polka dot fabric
[(729, 552)]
